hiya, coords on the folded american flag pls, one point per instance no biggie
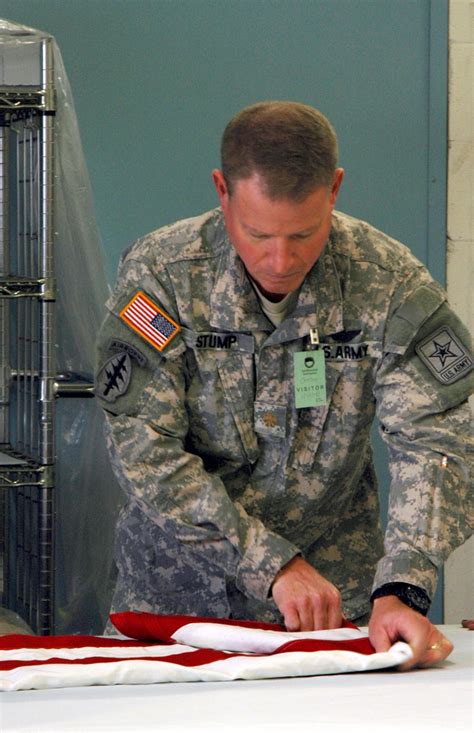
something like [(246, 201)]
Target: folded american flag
[(186, 649)]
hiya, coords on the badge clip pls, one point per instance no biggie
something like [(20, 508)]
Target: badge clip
[(313, 338)]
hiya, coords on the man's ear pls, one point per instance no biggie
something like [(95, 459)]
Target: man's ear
[(220, 185), (336, 184)]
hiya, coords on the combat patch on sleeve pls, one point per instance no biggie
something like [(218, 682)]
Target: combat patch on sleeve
[(114, 378), (445, 355), (148, 320)]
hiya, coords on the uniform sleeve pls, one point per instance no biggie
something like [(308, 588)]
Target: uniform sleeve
[(421, 390), (147, 425)]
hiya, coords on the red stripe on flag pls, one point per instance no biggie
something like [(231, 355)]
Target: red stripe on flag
[(25, 641), (186, 659), (204, 656), (142, 625)]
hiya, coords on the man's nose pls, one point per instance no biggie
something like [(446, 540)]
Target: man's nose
[(282, 257)]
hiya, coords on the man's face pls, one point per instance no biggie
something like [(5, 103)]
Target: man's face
[(278, 240)]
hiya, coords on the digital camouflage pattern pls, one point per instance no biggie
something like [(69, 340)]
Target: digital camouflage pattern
[(226, 481)]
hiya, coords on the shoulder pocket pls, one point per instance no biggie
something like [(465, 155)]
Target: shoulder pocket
[(439, 357), (407, 320)]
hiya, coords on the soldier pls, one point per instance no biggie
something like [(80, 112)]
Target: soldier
[(244, 356)]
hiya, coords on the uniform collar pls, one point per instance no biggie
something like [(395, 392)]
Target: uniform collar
[(235, 305)]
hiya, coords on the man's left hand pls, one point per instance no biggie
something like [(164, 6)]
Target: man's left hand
[(393, 621)]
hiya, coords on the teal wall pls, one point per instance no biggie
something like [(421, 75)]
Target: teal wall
[(155, 81)]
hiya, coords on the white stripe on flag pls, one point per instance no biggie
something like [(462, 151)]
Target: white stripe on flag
[(143, 322)]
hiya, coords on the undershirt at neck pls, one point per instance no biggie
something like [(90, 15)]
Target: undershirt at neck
[(276, 312)]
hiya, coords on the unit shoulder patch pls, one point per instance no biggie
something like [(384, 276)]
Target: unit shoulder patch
[(149, 321), (113, 379), (444, 354)]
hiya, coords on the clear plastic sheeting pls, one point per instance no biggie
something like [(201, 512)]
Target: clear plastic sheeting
[(12, 623), (87, 497)]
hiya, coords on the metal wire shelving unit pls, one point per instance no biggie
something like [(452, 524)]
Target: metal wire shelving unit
[(27, 364), (29, 384)]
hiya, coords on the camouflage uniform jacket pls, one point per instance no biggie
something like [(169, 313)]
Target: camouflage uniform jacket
[(208, 445)]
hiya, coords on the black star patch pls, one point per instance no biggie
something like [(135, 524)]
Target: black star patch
[(445, 355), (443, 352), (114, 378)]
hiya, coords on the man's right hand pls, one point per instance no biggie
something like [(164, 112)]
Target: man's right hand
[(307, 601)]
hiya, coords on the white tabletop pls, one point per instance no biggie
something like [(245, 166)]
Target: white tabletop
[(431, 700)]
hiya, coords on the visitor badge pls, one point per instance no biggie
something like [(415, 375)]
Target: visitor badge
[(309, 378)]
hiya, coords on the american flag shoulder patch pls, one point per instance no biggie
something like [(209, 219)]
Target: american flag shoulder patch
[(150, 321)]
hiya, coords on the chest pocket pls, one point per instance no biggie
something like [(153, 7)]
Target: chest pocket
[(236, 374), (309, 424), (349, 403), (220, 395)]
